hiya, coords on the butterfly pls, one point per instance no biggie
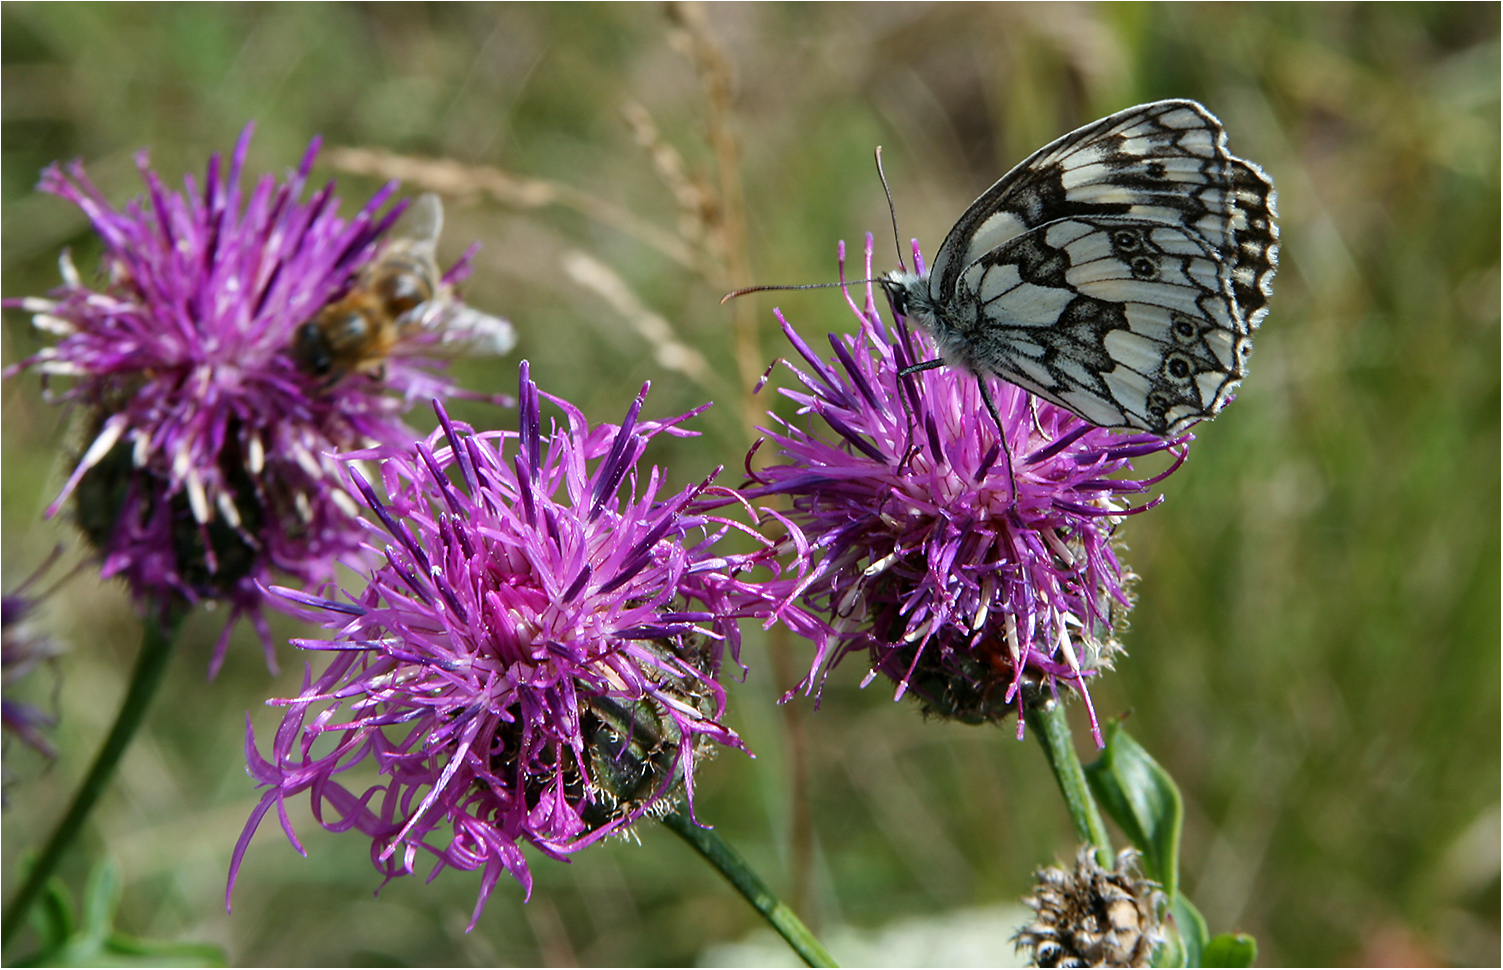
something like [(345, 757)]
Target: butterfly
[(1118, 272)]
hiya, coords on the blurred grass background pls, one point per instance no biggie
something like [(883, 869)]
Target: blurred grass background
[(1314, 654)]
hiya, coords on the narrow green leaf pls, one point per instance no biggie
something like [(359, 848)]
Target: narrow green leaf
[(93, 940), (1192, 930), (1143, 800), (1230, 950), (1172, 952), (128, 951), (101, 897), (729, 863), (53, 920), (157, 638)]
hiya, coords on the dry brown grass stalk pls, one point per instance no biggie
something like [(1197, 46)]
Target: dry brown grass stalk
[(453, 179), (670, 352)]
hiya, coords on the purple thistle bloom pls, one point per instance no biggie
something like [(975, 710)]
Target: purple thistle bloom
[(536, 661), (962, 593), (22, 648), (207, 458)]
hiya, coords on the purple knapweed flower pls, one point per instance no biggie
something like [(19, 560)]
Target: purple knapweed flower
[(537, 659), (972, 577), (206, 461)]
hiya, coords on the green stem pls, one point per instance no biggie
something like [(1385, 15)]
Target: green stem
[(157, 639), (719, 854), (1053, 731)]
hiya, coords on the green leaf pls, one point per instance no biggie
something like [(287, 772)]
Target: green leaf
[(1143, 800), (1192, 930), (125, 951), (1185, 933), (101, 898), (94, 942), (1230, 950), (52, 919)]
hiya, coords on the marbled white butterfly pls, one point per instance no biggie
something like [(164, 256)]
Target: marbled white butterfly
[(1118, 272)]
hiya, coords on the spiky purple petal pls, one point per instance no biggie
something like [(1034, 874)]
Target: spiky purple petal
[(206, 460), (537, 660), (968, 577)]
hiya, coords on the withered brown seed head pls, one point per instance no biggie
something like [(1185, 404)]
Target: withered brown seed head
[(1093, 917)]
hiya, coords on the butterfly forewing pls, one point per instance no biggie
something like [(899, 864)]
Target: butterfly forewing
[(1158, 160), (1117, 272)]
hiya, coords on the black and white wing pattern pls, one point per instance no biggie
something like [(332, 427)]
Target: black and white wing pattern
[(1119, 272)]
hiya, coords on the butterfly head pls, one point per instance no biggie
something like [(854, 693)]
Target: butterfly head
[(906, 291)]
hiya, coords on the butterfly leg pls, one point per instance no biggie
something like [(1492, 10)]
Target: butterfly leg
[(910, 448), (1012, 480), (921, 365)]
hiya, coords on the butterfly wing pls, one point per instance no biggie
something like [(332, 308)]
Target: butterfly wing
[(1165, 161), (1254, 256), (1124, 322), (1041, 278)]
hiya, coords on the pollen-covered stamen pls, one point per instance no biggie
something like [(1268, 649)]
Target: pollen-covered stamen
[(255, 455), (226, 506), (108, 436), (1068, 649)]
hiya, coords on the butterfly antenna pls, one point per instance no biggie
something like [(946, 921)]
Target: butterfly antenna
[(1012, 480), (805, 286), (892, 210)]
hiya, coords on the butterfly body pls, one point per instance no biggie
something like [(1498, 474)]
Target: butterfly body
[(1118, 272)]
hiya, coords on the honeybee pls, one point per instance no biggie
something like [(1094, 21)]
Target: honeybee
[(398, 302)]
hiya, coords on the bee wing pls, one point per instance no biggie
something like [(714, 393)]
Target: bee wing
[(420, 223), (472, 332), (446, 328), (443, 326)]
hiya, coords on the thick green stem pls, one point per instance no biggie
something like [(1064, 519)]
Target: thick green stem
[(719, 854), (1053, 731), (157, 639)]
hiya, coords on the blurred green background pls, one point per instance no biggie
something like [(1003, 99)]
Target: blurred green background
[(1314, 653)]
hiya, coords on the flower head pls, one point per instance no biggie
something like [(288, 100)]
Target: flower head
[(22, 648), (973, 577), (537, 659), (207, 449), (1093, 917)]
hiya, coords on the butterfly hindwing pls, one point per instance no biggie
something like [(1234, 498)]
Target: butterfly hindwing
[(1122, 321), (1255, 231)]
